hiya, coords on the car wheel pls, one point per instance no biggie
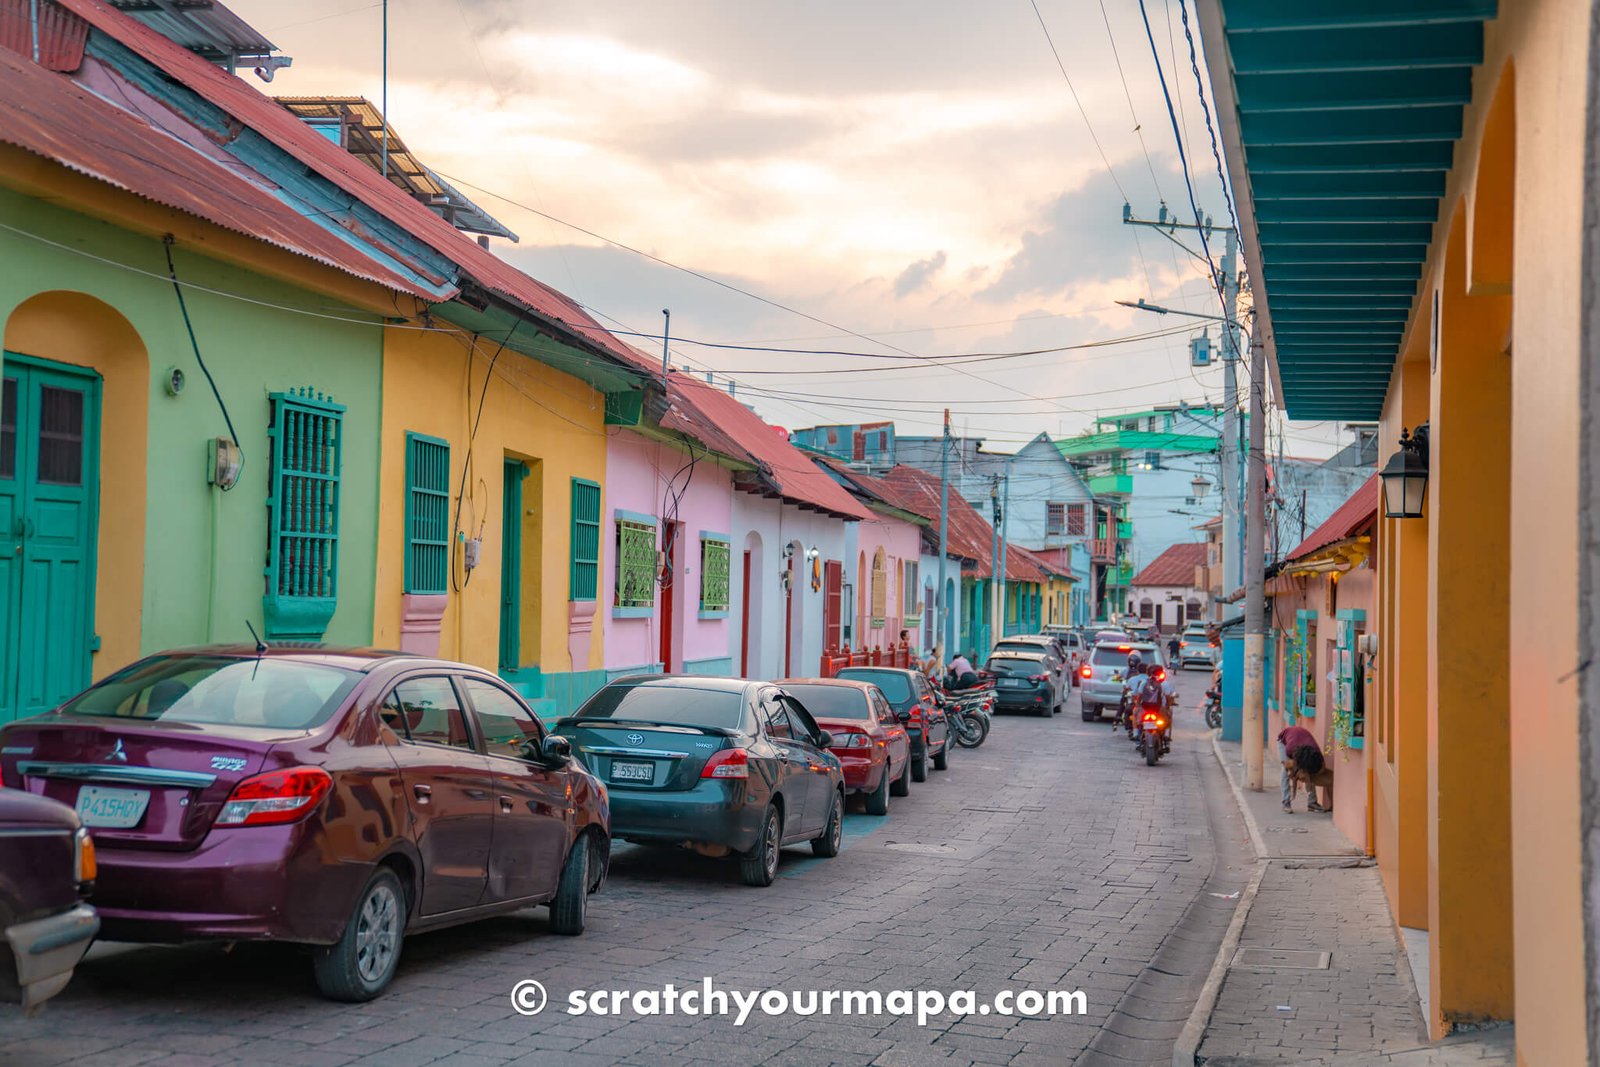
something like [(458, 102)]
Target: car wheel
[(571, 905), (1090, 714), (878, 799), (827, 846), (360, 964), (919, 768), (759, 866), (942, 760), (1044, 711), (902, 785)]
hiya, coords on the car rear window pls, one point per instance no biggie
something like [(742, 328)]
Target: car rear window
[(1016, 663), (274, 693), (832, 701), (1111, 656), (674, 705), (895, 686)]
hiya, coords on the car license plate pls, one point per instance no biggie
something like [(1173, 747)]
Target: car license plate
[(633, 772), (1011, 683), (116, 808)]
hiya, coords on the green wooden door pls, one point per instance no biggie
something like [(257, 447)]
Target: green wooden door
[(511, 565), (49, 490)]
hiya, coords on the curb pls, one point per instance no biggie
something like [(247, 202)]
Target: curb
[(1257, 842), (1187, 1048)]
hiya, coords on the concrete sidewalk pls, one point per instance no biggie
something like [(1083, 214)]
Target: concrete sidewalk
[(1315, 972)]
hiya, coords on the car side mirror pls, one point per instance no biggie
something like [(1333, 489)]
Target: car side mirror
[(903, 715), (555, 749), (824, 739)]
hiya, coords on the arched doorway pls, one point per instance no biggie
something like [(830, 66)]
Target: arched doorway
[(73, 497), (750, 605)]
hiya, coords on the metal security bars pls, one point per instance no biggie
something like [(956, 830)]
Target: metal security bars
[(636, 564), (427, 515), (714, 573), (302, 572), (585, 578)]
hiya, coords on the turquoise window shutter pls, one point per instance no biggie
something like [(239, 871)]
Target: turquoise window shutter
[(585, 578), (302, 573), (427, 515)]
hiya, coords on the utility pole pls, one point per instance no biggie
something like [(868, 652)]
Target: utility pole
[(1005, 514), (1253, 740), (944, 538), (1230, 472), (997, 595)]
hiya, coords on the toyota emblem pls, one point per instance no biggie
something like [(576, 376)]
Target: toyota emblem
[(636, 739)]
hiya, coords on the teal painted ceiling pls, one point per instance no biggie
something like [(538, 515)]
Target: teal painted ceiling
[(1349, 111)]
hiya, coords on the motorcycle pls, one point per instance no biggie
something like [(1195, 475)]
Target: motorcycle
[(1213, 708), (1154, 734), (968, 711)]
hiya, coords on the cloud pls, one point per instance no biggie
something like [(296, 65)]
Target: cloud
[(919, 274), (1079, 236)]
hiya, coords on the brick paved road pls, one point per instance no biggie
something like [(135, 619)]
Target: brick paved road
[(1059, 861)]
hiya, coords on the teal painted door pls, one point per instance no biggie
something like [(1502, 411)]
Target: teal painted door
[(49, 491), (511, 565)]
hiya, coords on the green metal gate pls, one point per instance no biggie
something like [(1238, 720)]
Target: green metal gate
[(49, 500)]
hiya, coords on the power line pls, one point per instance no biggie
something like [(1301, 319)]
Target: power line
[(1076, 100), (1200, 88), (1138, 127)]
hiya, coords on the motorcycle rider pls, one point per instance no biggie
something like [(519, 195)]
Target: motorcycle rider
[(1154, 694), (1130, 690)]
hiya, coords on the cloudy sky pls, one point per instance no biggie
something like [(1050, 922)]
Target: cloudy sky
[(916, 171)]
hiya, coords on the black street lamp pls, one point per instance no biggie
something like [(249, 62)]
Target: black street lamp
[(1405, 476)]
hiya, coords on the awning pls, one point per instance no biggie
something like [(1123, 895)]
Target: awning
[(1339, 120)]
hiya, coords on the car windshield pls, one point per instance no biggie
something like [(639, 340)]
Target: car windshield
[(832, 701), (895, 685), (1016, 664), (269, 692), (673, 705)]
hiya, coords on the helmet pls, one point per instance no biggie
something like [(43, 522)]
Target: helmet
[(1134, 659)]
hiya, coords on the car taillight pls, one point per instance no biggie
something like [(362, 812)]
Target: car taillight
[(1087, 671), (729, 763), (84, 867), (1038, 677), (916, 715), (850, 739), (275, 797)]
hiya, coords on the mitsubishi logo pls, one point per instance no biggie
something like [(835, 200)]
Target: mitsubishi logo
[(117, 754)]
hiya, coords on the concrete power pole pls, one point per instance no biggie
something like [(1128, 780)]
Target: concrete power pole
[(1230, 471), (997, 586), (940, 599), (1253, 740)]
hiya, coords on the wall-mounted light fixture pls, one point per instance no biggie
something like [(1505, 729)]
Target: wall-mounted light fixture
[(1405, 476)]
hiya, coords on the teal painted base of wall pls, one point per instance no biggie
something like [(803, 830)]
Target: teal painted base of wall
[(721, 667), (556, 694)]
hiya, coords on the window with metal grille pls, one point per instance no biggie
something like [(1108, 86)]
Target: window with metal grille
[(714, 558), (880, 590), (909, 587), (636, 564), (427, 514), (585, 578), (1055, 518), (302, 570)]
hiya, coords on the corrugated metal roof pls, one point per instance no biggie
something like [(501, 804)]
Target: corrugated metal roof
[(205, 27), (1175, 566), (52, 116), (263, 115), (1347, 520)]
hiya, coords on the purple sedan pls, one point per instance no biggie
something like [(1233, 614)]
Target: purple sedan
[(332, 797)]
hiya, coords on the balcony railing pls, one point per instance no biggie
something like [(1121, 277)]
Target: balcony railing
[(1103, 484), (1103, 550)]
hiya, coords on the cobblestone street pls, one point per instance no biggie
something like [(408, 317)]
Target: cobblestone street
[(1049, 859)]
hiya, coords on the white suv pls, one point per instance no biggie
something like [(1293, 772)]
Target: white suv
[(1195, 647)]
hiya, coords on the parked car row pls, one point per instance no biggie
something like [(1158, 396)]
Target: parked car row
[(343, 799)]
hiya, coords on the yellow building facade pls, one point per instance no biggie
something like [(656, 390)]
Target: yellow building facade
[(512, 429), (1480, 759)]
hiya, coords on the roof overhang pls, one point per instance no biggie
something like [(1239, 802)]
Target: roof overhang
[(1339, 120)]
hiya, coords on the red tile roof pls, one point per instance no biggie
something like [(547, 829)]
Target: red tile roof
[(54, 117), (1348, 519), (1175, 566), (726, 426), (969, 536), (265, 116)]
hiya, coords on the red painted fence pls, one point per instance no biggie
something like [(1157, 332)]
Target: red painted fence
[(835, 659)]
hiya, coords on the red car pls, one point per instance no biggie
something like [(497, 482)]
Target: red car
[(335, 798), (869, 739)]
